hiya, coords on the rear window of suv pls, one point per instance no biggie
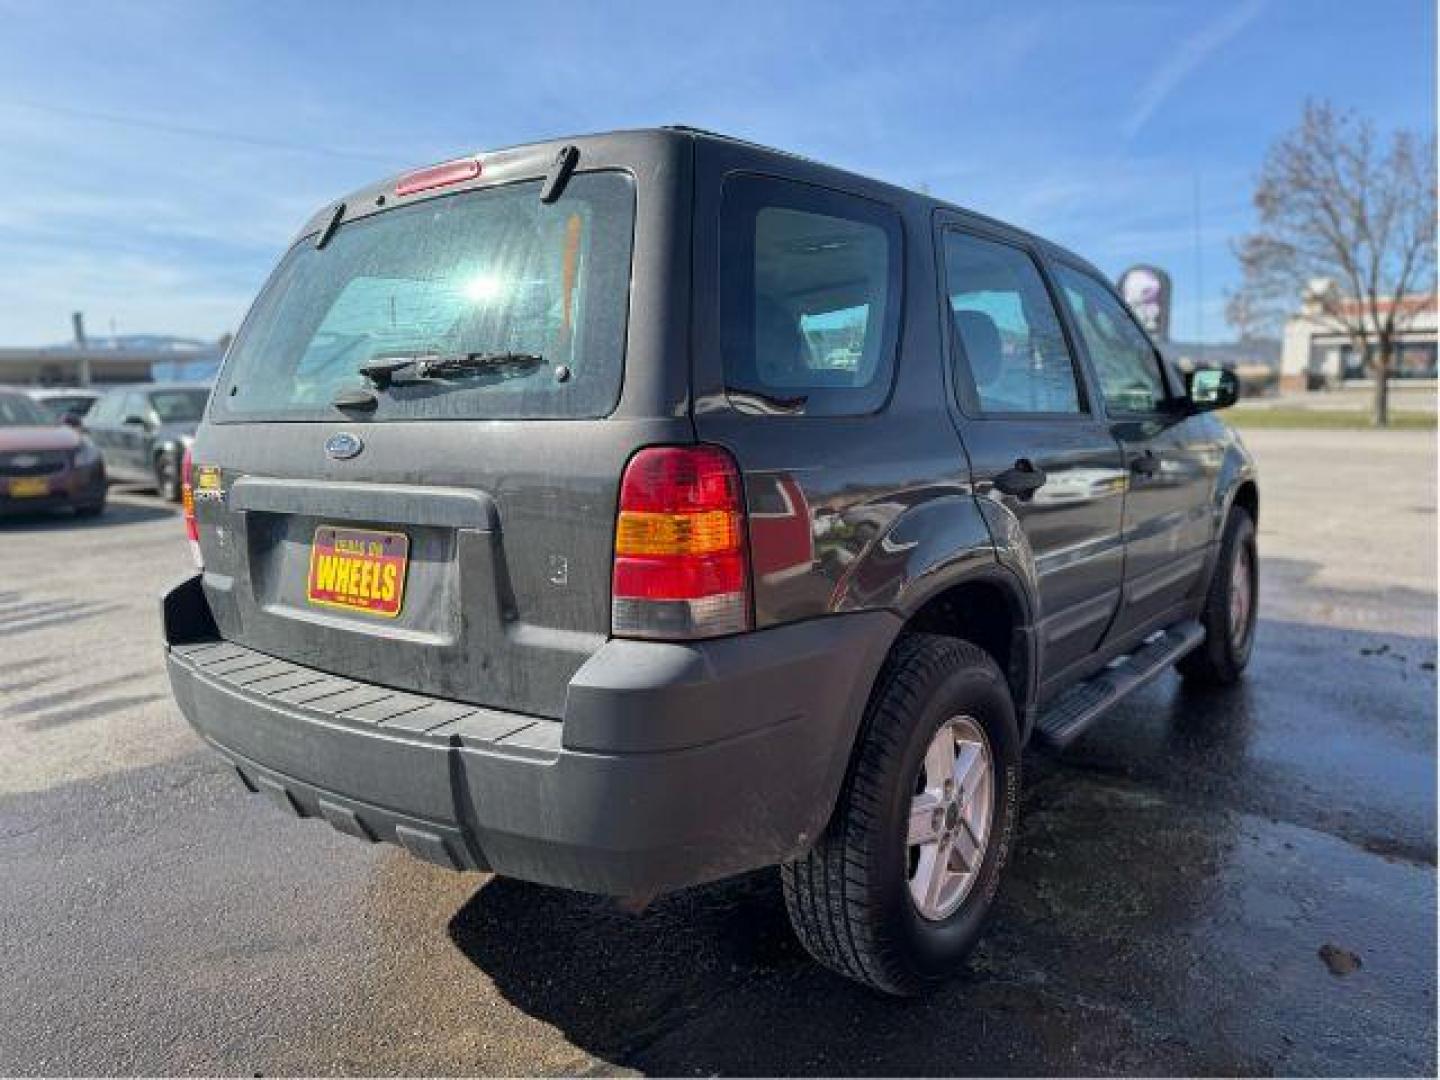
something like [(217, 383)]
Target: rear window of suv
[(487, 271), (810, 298)]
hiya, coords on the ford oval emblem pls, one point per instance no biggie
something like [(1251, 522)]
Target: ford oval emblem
[(343, 445)]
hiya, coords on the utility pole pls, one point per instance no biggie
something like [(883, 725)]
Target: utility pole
[(82, 365), (1199, 281)]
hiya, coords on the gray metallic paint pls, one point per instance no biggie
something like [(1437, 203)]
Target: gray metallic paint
[(900, 506)]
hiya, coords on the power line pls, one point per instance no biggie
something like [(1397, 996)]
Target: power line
[(191, 131)]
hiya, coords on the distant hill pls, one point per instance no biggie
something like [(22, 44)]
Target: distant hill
[(1225, 354), (167, 342)]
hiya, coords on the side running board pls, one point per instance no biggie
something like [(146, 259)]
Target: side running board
[(1067, 717)]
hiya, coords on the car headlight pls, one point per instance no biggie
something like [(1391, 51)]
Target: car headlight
[(86, 454)]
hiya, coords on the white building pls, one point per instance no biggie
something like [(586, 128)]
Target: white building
[(1318, 355)]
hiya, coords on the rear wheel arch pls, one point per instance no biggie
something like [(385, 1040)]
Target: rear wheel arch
[(991, 611), (165, 459)]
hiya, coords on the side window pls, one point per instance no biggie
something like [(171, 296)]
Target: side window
[(809, 298), (1124, 359), (1013, 356), (135, 405), (100, 412), (110, 408)]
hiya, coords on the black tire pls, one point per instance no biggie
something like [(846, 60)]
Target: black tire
[(90, 510), (1221, 657), (167, 475), (849, 898)]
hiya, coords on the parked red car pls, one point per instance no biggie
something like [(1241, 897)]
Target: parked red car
[(44, 465)]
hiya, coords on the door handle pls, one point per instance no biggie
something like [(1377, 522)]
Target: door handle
[(1146, 464), (1021, 480)]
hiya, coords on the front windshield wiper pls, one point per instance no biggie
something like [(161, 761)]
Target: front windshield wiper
[(383, 370)]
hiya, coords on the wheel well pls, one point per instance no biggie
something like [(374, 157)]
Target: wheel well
[(985, 614), (1248, 496)]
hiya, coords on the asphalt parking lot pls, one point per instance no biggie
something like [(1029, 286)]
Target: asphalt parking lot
[(1178, 874)]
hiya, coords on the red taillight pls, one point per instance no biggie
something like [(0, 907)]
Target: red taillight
[(187, 502), (681, 569), (442, 175)]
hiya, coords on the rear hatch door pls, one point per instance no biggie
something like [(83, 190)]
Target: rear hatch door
[(445, 528)]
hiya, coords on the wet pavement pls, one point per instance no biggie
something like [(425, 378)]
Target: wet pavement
[(1178, 874)]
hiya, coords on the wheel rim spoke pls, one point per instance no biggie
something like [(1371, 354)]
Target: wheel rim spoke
[(939, 760), (971, 767), (934, 872), (966, 848), (924, 828)]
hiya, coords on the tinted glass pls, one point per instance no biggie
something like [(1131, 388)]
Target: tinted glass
[(106, 410), (17, 410), (58, 407), (135, 405), (486, 271), (1123, 358), (1015, 359), (179, 406), (809, 300)]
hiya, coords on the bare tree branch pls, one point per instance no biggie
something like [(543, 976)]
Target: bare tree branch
[(1333, 207)]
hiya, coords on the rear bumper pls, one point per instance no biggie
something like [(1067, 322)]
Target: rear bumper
[(674, 764), (82, 486)]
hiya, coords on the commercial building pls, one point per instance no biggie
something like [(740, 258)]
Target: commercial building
[(72, 365), (1318, 355)]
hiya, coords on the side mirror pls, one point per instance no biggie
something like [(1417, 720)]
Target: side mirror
[(1213, 388), (72, 420)]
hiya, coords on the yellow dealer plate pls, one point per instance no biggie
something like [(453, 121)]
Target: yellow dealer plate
[(29, 487), (358, 570)]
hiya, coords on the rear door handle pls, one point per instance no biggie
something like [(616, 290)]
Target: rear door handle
[(1146, 464), (1021, 480)]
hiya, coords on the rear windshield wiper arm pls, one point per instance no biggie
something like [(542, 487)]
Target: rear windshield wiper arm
[(382, 371)]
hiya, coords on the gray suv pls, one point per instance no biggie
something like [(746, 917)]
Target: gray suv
[(144, 430), (630, 511)]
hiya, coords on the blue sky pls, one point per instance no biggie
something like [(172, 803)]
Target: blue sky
[(157, 157)]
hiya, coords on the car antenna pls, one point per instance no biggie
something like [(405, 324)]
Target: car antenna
[(559, 174), (326, 233)]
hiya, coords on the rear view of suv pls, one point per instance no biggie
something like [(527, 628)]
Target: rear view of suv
[(627, 512)]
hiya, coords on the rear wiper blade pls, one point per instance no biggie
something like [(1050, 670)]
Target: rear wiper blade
[(433, 367), (383, 370)]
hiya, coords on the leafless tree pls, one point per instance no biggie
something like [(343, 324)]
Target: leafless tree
[(1337, 207), (1251, 320)]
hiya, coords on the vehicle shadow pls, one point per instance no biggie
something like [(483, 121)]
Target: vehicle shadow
[(711, 980), (116, 513), (1112, 939)]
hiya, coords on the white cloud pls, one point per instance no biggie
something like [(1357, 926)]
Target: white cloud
[(138, 292), (1185, 59)]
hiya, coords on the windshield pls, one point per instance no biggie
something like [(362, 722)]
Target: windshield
[(59, 407), (179, 406), (17, 410), (486, 271)]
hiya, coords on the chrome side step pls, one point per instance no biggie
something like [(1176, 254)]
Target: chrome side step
[(1069, 715)]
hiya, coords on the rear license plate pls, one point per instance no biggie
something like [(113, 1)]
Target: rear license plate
[(358, 570), (29, 487)]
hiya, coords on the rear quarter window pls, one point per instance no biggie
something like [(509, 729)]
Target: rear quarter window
[(809, 298), (492, 270)]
